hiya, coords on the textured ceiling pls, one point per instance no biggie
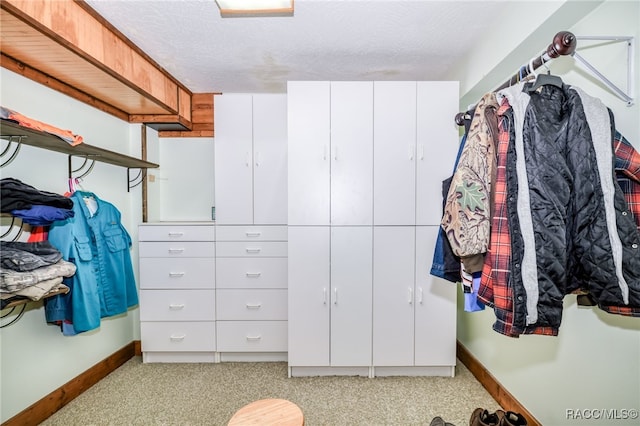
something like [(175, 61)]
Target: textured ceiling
[(324, 40)]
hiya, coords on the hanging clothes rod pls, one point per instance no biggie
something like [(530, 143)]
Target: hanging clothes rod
[(564, 43)]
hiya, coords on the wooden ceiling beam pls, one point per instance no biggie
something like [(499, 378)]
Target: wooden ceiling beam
[(74, 46)]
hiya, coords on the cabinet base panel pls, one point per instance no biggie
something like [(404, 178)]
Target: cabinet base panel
[(253, 356), (179, 357), (371, 372), (329, 371), (444, 371)]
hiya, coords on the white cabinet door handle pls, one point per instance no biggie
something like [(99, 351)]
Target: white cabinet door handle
[(253, 250), (421, 151), (410, 295), (253, 274), (411, 150), (250, 338), (247, 159), (175, 234), (257, 159), (176, 274), (176, 306), (176, 250), (177, 338), (251, 234), (335, 296), (324, 152), (335, 153), (324, 296), (421, 296), (253, 305)]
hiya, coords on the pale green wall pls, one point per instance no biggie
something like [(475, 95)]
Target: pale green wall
[(594, 363), (35, 358)]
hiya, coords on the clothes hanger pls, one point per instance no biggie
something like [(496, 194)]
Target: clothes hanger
[(543, 79)]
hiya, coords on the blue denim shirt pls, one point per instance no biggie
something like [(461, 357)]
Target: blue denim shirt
[(104, 283)]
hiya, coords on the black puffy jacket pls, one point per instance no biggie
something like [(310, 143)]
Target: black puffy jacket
[(571, 228)]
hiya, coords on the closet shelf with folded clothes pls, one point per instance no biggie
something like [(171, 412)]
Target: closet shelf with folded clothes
[(14, 132), (19, 302)]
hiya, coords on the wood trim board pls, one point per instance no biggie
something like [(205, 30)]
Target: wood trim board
[(502, 396), (45, 407)]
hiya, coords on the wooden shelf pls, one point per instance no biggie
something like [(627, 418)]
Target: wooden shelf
[(54, 143)]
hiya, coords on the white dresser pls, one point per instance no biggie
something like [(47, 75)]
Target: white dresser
[(177, 292), (251, 293)]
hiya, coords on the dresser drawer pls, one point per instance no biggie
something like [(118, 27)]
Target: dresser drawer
[(251, 304), (177, 305), (252, 336), (244, 272), (178, 336), (251, 233), (176, 232), (179, 272), (251, 249), (177, 249)]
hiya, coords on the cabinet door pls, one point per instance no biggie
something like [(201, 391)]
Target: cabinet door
[(351, 280), (270, 159), (308, 152), (435, 329), (308, 304), (393, 295), (437, 137), (394, 166), (233, 159), (351, 153)]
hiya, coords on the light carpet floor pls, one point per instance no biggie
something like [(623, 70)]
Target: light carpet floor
[(209, 394)]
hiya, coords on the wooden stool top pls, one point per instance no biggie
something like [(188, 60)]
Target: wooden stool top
[(268, 412)]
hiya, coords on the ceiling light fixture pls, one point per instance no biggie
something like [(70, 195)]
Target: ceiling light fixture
[(238, 8)]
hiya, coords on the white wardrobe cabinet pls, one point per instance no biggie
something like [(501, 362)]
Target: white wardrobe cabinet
[(366, 164), (393, 295), (309, 304), (351, 153), (177, 292), (435, 308), (394, 180), (330, 306), (437, 146), (332, 154), (309, 141), (251, 159), (251, 217), (413, 312), (414, 150)]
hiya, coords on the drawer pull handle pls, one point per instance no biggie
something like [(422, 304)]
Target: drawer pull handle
[(177, 338), (253, 250), (254, 305), (250, 338), (176, 250), (175, 307), (176, 234), (253, 274), (253, 234), (176, 274)]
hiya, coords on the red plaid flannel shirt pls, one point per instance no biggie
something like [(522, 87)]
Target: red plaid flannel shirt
[(495, 286), (628, 177)]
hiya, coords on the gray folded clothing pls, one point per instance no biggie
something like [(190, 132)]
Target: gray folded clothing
[(11, 281), (22, 257)]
